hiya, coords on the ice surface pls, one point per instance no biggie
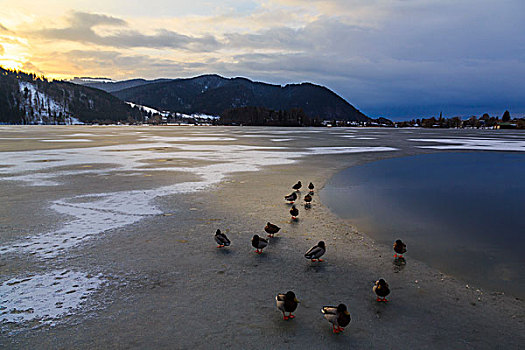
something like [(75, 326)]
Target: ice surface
[(89, 215)]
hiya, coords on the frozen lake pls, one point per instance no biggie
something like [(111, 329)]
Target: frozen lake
[(104, 226)]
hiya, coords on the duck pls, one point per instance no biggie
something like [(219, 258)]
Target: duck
[(291, 197), (311, 187), (316, 252), (400, 248), (286, 303), (259, 243), (221, 239), (307, 199), (337, 316), (271, 229), (297, 186), (294, 212), (381, 289)]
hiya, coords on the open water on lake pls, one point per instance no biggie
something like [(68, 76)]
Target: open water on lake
[(463, 213)]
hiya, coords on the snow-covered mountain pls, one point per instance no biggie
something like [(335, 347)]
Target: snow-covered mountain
[(40, 108), (30, 99)]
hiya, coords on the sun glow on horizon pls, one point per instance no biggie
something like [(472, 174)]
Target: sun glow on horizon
[(11, 64)]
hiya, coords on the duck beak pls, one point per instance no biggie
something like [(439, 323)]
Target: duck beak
[(347, 313), (297, 301)]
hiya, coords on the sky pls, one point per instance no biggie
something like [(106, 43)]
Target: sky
[(398, 59)]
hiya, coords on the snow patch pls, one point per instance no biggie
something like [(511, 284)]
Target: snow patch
[(45, 297), (67, 140), (185, 138), (476, 144), (198, 116), (341, 150), (149, 109)]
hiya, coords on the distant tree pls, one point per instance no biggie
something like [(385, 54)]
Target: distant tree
[(506, 117), (456, 122), (428, 123)]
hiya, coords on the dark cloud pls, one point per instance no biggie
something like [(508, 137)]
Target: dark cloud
[(466, 57), (81, 29)]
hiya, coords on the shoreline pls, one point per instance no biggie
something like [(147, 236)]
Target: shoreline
[(352, 214)]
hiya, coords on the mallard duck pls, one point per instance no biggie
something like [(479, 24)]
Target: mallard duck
[(311, 187), (259, 243), (316, 252), (286, 303), (381, 290), (221, 239), (271, 229), (297, 186), (291, 197), (338, 316), (307, 199), (400, 248), (294, 212)]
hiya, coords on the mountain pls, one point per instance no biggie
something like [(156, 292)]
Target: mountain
[(109, 85), (30, 99), (214, 95)]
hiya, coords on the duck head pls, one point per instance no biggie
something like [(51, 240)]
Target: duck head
[(291, 296), (381, 282)]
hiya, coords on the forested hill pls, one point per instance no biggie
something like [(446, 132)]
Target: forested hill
[(213, 94), (30, 99)]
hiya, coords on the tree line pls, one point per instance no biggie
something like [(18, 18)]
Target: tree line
[(485, 121)]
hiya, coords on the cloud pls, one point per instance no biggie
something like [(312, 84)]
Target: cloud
[(30, 67), (3, 29), (2, 50), (82, 26), (115, 64)]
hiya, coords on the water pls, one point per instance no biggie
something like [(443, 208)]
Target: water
[(463, 213)]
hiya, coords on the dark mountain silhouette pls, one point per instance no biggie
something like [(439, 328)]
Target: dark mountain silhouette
[(112, 86), (213, 94)]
